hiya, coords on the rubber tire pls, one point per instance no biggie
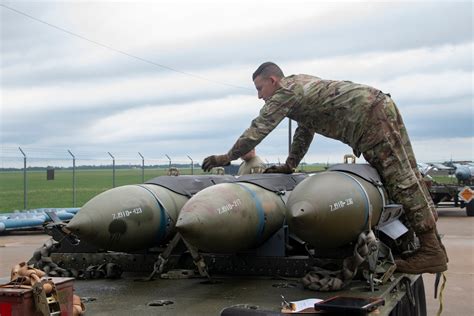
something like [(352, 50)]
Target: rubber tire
[(470, 208), (404, 307)]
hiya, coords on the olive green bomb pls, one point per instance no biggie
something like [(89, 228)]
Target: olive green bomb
[(330, 209), (231, 217), (128, 218)]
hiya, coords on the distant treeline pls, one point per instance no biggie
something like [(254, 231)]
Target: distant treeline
[(84, 167), (128, 166)]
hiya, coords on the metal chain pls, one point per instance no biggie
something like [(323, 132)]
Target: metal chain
[(326, 280), (42, 260)]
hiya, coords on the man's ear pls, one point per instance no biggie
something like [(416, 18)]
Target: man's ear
[(274, 80)]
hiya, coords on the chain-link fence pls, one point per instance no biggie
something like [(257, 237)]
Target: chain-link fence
[(52, 178), (35, 178)]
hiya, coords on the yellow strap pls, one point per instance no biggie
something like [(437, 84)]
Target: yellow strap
[(440, 310)]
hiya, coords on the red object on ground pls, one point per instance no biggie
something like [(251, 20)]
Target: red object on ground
[(17, 301)]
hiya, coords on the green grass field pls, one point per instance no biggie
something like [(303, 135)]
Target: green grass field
[(445, 180), (59, 192), (89, 183)]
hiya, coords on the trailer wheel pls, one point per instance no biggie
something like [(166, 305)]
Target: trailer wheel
[(470, 208), (405, 308)]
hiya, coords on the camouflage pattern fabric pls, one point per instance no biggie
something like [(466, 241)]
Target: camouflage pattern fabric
[(253, 165), (395, 161), (336, 109)]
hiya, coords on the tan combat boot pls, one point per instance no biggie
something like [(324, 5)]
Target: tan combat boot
[(430, 258)]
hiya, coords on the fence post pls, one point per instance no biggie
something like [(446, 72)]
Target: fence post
[(143, 167), (113, 169), (192, 164), (24, 180), (169, 160), (73, 178)]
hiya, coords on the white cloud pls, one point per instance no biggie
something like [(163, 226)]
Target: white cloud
[(72, 93), (418, 87), (444, 149), (403, 73), (381, 66), (88, 95), (170, 121)]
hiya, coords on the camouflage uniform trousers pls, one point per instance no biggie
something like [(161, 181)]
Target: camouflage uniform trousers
[(395, 161)]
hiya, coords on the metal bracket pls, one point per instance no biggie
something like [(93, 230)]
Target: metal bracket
[(408, 288), (159, 265), (372, 259), (389, 221), (198, 260), (46, 303), (59, 232), (381, 264)]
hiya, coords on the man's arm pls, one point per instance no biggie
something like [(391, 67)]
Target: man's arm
[(258, 130), (272, 113), (299, 147)]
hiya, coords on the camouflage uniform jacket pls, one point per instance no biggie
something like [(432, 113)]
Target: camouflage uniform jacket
[(336, 109)]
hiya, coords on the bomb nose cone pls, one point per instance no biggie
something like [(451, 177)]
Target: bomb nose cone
[(187, 223), (302, 210), (82, 225), (190, 224)]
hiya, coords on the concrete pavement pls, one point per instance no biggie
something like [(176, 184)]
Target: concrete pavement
[(457, 228)]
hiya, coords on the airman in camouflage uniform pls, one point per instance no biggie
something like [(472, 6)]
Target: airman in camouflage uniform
[(251, 164), (362, 117)]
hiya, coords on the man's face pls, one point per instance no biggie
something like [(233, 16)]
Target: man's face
[(266, 87)]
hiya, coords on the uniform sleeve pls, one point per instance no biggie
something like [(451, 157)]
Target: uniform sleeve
[(299, 147), (271, 114)]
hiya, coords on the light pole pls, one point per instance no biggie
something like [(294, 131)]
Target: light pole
[(113, 169), (169, 160), (143, 167), (192, 164), (73, 178), (24, 179)]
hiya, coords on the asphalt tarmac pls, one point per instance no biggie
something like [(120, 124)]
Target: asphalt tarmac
[(457, 228), (458, 295)]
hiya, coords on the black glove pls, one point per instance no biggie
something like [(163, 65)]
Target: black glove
[(285, 168), (215, 161)]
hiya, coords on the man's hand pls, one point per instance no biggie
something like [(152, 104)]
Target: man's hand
[(215, 161), (285, 168)]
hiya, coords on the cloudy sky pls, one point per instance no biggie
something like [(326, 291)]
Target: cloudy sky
[(174, 77)]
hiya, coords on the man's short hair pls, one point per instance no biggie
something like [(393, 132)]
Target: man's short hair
[(268, 69)]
